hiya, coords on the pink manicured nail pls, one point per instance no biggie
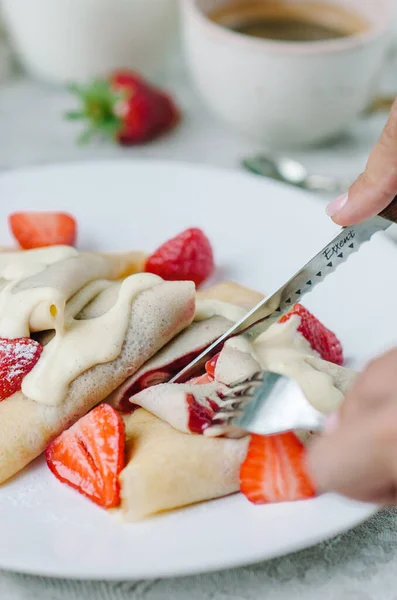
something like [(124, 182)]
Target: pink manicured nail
[(331, 422), (336, 205)]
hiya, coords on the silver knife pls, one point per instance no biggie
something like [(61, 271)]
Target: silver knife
[(271, 308)]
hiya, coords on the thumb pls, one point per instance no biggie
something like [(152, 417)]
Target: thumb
[(376, 187)]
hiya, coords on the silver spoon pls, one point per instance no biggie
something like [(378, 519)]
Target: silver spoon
[(293, 172)]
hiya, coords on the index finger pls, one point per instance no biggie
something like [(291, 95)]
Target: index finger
[(376, 187)]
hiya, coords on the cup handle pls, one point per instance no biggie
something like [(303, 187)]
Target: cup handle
[(383, 103)]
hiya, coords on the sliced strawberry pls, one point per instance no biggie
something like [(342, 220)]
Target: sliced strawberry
[(187, 256), (201, 379), (321, 339), (17, 359), (38, 229), (210, 365), (209, 375), (274, 470), (90, 455), (154, 377), (200, 416)]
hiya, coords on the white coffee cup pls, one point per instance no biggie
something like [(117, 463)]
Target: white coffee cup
[(5, 56), (72, 40), (287, 94)]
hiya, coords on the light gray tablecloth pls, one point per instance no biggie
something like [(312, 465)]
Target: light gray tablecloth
[(360, 565)]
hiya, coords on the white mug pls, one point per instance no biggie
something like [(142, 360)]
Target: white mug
[(75, 40), (5, 56), (287, 94)]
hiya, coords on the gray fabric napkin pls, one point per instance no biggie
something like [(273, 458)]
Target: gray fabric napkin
[(359, 565)]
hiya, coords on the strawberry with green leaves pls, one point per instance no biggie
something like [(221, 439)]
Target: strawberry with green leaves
[(124, 108)]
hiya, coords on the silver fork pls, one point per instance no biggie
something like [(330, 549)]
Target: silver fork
[(268, 404)]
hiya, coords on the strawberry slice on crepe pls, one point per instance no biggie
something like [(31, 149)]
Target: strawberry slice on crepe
[(170, 360), (17, 359), (274, 470), (39, 229), (90, 455)]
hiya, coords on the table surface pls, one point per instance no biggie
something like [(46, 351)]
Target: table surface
[(359, 565)]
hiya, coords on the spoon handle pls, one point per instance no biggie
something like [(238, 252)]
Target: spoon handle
[(324, 183)]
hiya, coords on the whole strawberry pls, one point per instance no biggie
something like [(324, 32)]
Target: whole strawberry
[(187, 256), (125, 108)]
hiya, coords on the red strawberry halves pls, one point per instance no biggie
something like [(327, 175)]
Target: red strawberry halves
[(274, 470), (39, 229), (187, 256), (17, 358), (90, 455)]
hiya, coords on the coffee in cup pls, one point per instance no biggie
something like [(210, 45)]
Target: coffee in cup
[(288, 73), (298, 22)]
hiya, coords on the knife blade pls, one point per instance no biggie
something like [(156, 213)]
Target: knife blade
[(270, 309)]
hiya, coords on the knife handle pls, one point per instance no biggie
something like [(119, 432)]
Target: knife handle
[(390, 212)]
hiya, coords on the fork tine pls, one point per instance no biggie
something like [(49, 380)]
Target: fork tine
[(233, 404), (264, 404)]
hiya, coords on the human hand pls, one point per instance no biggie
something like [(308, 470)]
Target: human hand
[(376, 187), (357, 456)]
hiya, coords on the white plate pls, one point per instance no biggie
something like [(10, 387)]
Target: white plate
[(262, 232)]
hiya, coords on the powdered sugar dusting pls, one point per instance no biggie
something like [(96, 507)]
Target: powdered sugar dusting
[(17, 359)]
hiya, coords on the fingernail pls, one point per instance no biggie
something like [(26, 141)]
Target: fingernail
[(336, 205), (331, 422)]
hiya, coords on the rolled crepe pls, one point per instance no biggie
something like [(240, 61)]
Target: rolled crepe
[(10, 249), (26, 427), (188, 407), (192, 408), (181, 350), (50, 288), (230, 291), (166, 469), (170, 360), (128, 263)]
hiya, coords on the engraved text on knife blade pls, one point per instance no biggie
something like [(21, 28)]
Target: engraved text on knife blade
[(346, 243)]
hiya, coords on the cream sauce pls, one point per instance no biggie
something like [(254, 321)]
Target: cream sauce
[(19, 265), (46, 289), (36, 284), (281, 349), (44, 305), (31, 301), (84, 344), (83, 297), (205, 309)]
